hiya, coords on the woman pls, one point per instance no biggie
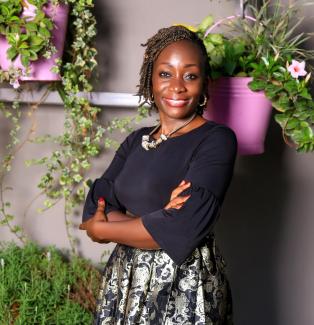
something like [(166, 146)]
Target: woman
[(166, 268)]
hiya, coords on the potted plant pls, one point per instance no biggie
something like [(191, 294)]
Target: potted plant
[(265, 50), (32, 35)]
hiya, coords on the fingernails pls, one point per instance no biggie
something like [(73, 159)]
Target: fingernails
[(182, 182), (101, 200)]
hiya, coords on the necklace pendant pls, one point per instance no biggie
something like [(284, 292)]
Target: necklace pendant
[(145, 145), (153, 145)]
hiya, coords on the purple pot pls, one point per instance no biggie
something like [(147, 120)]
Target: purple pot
[(40, 69), (246, 112)]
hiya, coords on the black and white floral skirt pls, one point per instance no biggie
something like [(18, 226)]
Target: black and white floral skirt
[(147, 287)]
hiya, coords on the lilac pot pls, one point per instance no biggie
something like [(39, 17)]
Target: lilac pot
[(246, 112), (41, 69)]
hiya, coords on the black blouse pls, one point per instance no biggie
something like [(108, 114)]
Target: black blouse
[(141, 182)]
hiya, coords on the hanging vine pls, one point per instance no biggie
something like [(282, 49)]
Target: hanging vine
[(83, 135)]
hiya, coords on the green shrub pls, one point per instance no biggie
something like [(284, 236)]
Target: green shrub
[(41, 286)]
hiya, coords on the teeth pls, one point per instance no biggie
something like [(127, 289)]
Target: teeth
[(176, 102)]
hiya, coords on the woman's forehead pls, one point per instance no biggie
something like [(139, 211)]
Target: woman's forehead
[(181, 50)]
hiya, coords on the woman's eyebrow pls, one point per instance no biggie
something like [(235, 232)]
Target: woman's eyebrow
[(188, 65)]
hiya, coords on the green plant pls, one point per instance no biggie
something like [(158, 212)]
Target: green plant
[(42, 286), (26, 29), (266, 47), (83, 135)]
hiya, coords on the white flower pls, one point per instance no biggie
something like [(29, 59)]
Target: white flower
[(2, 263), (15, 83), (48, 256), (296, 69)]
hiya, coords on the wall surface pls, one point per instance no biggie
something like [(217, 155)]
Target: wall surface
[(266, 228)]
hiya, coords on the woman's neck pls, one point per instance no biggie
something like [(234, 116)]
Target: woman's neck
[(169, 125)]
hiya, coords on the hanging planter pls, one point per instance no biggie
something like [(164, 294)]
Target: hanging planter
[(233, 104), (263, 47), (246, 112), (32, 41)]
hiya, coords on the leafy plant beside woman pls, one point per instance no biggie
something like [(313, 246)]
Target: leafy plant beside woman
[(267, 47), (27, 28)]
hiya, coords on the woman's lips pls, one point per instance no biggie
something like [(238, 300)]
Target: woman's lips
[(176, 102)]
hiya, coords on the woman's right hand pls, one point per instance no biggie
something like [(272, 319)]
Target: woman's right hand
[(176, 201)]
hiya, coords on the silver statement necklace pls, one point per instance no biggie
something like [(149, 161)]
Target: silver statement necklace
[(146, 144)]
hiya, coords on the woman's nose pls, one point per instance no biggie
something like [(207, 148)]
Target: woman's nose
[(177, 85)]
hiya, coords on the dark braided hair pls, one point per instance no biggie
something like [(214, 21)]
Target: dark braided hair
[(154, 46)]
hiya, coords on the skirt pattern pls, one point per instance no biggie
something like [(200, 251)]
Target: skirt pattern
[(147, 287)]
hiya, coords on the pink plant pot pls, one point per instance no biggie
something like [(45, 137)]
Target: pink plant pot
[(246, 112), (41, 69)]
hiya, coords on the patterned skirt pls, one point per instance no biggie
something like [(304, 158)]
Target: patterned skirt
[(147, 287)]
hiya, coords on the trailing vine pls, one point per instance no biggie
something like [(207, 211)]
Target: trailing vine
[(83, 135)]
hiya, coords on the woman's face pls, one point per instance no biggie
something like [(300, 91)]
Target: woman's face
[(178, 80)]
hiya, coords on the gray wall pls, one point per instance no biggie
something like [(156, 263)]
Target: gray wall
[(265, 231)]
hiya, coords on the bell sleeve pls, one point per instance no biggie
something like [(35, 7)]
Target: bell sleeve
[(104, 186), (180, 231)]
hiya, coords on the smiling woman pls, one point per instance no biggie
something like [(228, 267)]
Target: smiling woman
[(160, 204), (178, 82)]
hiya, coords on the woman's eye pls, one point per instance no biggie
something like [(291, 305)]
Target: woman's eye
[(191, 76), (164, 74)]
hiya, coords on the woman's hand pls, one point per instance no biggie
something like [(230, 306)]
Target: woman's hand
[(94, 225), (176, 201)]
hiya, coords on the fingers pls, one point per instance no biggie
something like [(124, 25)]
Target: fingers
[(177, 203), (101, 204), (179, 189), (82, 226), (100, 212)]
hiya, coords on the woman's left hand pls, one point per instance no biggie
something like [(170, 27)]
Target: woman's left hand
[(94, 225)]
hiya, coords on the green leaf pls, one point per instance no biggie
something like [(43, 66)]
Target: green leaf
[(216, 39), (24, 45), (45, 32), (16, 229), (205, 23), (25, 60), (40, 15), (291, 86), (305, 94), (31, 27), (36, 40), (292, 123), (209, 47), (12, 53), (230, 67), (12, 38), (281, 119), (33, 55), (257, 85)]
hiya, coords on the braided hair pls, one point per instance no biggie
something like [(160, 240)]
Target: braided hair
[(154, 46)]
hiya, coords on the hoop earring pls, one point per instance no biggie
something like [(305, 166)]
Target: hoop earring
[(151, 100), (204, 103)]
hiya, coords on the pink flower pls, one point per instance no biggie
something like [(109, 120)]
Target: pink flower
[(29, 11), (297, 69)]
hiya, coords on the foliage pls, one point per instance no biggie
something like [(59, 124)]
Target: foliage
[(264, 46), (40, 286), (27, 32), (83, 135)]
